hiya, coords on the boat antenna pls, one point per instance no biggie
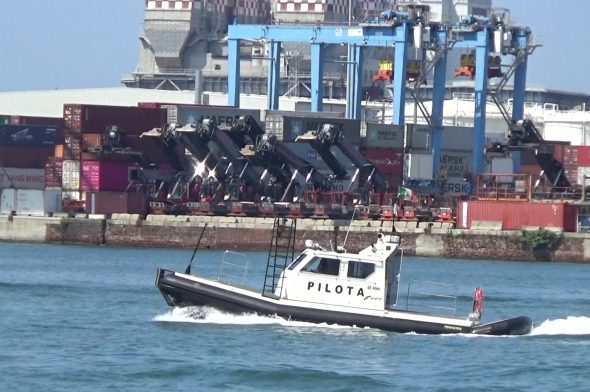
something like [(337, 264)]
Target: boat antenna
[(188, 267), (349, 224)]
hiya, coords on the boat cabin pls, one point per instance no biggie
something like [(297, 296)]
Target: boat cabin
[(367, 280)]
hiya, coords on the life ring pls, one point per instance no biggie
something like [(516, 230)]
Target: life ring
[(478, 300)]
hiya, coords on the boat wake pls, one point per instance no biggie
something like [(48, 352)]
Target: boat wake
[(571, 325), (207, 315)]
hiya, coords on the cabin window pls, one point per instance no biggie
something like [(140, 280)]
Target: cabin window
[(296, 262), (359, 270), (323, 266)]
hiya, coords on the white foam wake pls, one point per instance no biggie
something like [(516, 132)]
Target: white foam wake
[(207, 315), (569, 326)]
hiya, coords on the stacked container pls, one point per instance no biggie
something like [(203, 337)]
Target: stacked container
[(570, 164), (583, 165), (84, 168)]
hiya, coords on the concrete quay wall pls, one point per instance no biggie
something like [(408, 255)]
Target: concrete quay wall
[(245, 233)]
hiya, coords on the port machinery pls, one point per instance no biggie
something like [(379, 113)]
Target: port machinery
[(404, 29), (255, 174)]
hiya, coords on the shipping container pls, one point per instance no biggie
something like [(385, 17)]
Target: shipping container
[(58, 151), (455, 163), (25, 156), (287, 125), (570, 156), (71, 175), (13, 177), (308, 153), (193, 114), (33, 202), (116, 202), (82, 119), (516, 215), (105, 176), (384, 136), (53, 172), (72, 146), (418, 166), (27, 135), (7, 200), (33, 120), (388, 161), (91, 140), (583, 155), (457, 186)]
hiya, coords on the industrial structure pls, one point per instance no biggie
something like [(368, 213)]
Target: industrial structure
[(238, 119), (403, 30)]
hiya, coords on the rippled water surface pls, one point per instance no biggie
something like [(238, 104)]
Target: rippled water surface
[(89, 318)]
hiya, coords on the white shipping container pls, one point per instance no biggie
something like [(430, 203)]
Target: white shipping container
[(418, 166), (30, 202), (13, 177), (71, 175), (7, 200), (37, 202), (52, 201)]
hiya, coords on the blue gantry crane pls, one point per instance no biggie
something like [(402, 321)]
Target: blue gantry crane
[(402, 30)]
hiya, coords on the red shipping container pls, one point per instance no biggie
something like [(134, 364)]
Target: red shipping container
[(388, 161), (53, 172), (104, 176), (516, 215), (91, 140), (24, 156), (116, 202), (97, 118), (583, 155)]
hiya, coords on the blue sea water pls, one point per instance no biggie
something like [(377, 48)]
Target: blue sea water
[(76, 318)]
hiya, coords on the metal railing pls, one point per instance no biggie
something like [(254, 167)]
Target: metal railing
[(234, 270), (426, 295)]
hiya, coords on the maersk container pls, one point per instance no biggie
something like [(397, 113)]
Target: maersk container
[(27, 135), (71, 175), (455, 163), (384, 136), (516, 215), (226, 115), (452, 137), (29, 178), (82, 119)]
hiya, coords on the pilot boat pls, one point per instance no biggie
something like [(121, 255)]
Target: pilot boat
[(331, 286)]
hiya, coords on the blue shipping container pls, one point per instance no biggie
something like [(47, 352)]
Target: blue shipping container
[(27, 135)]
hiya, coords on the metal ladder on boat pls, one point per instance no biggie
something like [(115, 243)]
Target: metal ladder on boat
[(280, 253)]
